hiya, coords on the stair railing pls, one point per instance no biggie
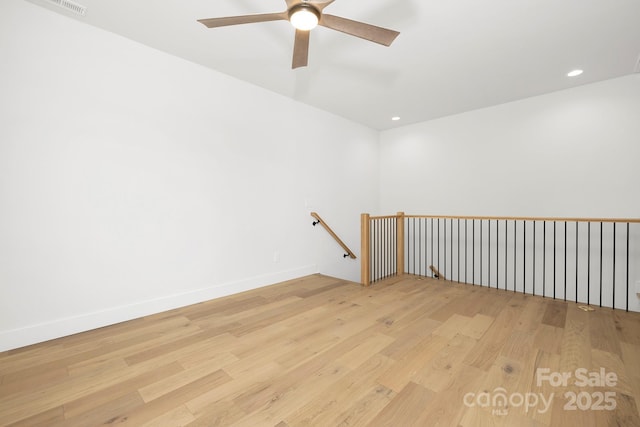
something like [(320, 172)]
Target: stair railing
[(589, 260)]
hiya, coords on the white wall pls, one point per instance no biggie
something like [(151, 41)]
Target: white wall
[(570, 153), (132, 181), (574, 153)]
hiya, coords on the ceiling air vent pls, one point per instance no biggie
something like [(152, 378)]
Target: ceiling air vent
[(74, 7)]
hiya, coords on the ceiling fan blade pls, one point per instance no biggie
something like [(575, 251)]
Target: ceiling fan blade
[(244, 19), (369, 32), (300, 49)]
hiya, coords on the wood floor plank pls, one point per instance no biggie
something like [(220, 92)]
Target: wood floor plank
[(124, 342), (125, 339), (546, 389), (24, 404), (626, 413), (339, 396), (323, 351), (93, 400), (16, 384), (404, 407), (555, 314), (219, 347), (181, 342), (604, 335), (441, 369), (575, 349), (218, 414), (406, 321), (99, 365), (47, 418), (452, 326), (452, 304), (281, 398), (409, 336), (548, 338), (105, 413), (627, 327), (487, 349), (170, 401), (448, 406), (531, 315), (255, 377), (486, 298), (363, 351), (614, 365), (233, 305), (299, 352), (399, 375), (518, 345), (176, 417), (477, 326), (561, 416), (630, 356), (268, 402), (363, 410), (183, 377)]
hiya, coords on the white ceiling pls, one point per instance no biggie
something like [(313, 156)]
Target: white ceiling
[(451, 56)]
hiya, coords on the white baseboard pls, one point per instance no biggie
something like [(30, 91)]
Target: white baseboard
[(32, 334)]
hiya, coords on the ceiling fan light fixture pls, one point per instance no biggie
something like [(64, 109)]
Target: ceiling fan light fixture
[(304, 17)]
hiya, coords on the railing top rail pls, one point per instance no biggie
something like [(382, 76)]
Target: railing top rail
[(526, 218)]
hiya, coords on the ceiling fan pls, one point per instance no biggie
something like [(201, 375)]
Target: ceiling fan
[(304, 15)]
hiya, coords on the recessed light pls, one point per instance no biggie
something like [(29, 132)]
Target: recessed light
[(574, 73), (395, 118)]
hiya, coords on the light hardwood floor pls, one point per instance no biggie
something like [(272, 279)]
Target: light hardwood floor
[(320, 351)]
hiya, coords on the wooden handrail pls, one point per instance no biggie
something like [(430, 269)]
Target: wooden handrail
[(334, 235), (436, 273)]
